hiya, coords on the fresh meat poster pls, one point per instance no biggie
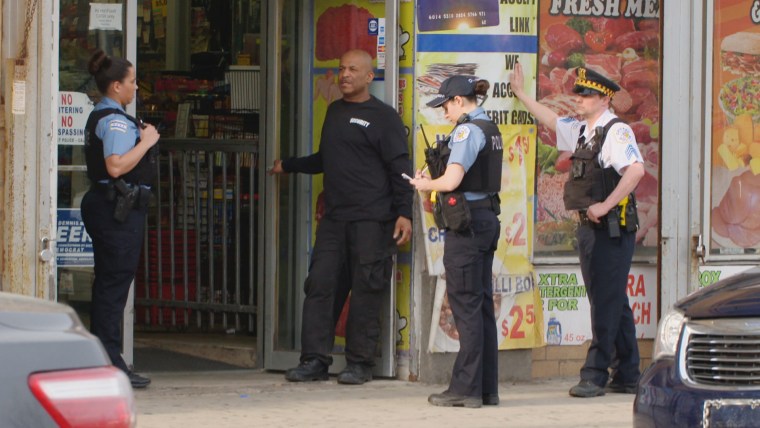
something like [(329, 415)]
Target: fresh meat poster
[(622, 41), (735, 199)]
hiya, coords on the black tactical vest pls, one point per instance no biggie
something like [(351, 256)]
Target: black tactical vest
[(143, 173), (485, 174), (588, 182)]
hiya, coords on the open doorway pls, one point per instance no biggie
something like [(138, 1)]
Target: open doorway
[(199, 71)]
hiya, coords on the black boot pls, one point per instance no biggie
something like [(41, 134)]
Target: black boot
[(355, 374), (307, 371), (137, 381)]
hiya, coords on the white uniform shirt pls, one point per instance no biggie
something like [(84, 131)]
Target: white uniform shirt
[(619, 150)]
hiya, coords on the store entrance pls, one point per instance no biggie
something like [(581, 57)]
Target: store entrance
[(296, 207), (199, 73)]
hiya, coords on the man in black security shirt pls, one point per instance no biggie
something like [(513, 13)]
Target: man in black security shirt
[(368, 210)]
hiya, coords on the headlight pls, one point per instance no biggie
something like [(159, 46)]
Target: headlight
[(667, 334)]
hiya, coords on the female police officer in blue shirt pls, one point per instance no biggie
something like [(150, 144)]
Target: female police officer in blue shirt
[(473, 167), (121, 165)]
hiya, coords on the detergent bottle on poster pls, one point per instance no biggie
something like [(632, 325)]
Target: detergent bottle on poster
[(553, 331)]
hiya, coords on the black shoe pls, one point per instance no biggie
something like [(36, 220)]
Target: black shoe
[(586, 389), (491, 399), (355, 374), (308, 371), (447, 399), (137, 381), (621, 388)]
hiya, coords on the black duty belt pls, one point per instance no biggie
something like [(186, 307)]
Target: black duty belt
[(492, 203), (106, 186)]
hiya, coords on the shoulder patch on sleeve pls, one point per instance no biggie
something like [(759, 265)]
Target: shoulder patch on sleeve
[(624, 135), (461, 134), (118, 125)]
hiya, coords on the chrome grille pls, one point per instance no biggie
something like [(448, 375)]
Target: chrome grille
[(727, 360)]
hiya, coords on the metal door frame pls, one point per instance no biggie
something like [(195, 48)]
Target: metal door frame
[(683, 134), (128, 328), (277, 359)]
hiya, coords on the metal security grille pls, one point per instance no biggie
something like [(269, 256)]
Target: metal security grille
[(723, 360), (198, 268)]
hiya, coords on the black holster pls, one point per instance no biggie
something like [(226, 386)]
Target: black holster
[(126, 199)]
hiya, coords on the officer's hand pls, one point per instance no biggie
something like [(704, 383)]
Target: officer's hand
[(596, 212), (420, 181), (276, 168), (403, 231), (517, 79), (149, 135)]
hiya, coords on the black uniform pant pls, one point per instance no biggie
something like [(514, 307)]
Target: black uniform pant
[(359, 255), (468, 260), (605, 264), (116, 247)]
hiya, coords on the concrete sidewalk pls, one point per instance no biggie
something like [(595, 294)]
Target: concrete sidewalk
[(252, 398)]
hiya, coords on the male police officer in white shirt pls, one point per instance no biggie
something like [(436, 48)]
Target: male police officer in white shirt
[(606, 170)]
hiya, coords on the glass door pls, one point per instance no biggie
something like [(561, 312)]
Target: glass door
[(297, 107), (84, 26)]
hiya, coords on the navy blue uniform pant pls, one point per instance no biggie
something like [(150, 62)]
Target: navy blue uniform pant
[(116, 247), (355, 255), (468, 260), (605, 264)]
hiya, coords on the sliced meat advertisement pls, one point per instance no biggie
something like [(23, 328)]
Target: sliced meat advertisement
[(735, 179), (622, 41)]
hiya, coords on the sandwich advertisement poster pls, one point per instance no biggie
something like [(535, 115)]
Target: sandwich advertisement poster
[(621, 40), (485, 39), (735, 204)]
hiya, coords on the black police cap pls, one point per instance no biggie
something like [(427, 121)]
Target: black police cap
[(589, 82), (463, 86)]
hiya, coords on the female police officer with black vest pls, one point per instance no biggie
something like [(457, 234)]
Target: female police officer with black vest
[(120, 156), (474, 168)]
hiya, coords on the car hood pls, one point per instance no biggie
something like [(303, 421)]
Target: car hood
[(28, 313), (734, 297)]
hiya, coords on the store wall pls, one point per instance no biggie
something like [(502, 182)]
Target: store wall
[(28, 155)]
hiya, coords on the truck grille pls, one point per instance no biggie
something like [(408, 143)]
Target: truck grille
[(723, 360)]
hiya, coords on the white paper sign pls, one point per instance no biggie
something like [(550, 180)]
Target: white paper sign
[(73, 110), (105, 16), (19, 97)]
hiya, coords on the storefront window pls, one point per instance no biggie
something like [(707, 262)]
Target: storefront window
[(735, 149), (623, 43)]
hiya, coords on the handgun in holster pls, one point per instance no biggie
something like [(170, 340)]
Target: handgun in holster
[(126, 198)]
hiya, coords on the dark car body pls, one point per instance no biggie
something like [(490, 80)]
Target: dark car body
[(38, 336), (713, 378)]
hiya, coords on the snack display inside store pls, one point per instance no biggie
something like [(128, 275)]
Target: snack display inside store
[(198, 81)]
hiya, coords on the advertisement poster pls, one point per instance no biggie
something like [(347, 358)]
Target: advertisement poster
[(709, 275), (567, 319), (621, 40), (340, 26), (735, 178), (73, 246), (483, 38)]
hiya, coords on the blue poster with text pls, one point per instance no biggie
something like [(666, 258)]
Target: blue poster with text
[(73, 244)]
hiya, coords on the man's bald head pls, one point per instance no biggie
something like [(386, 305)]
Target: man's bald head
[(356, 73)]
